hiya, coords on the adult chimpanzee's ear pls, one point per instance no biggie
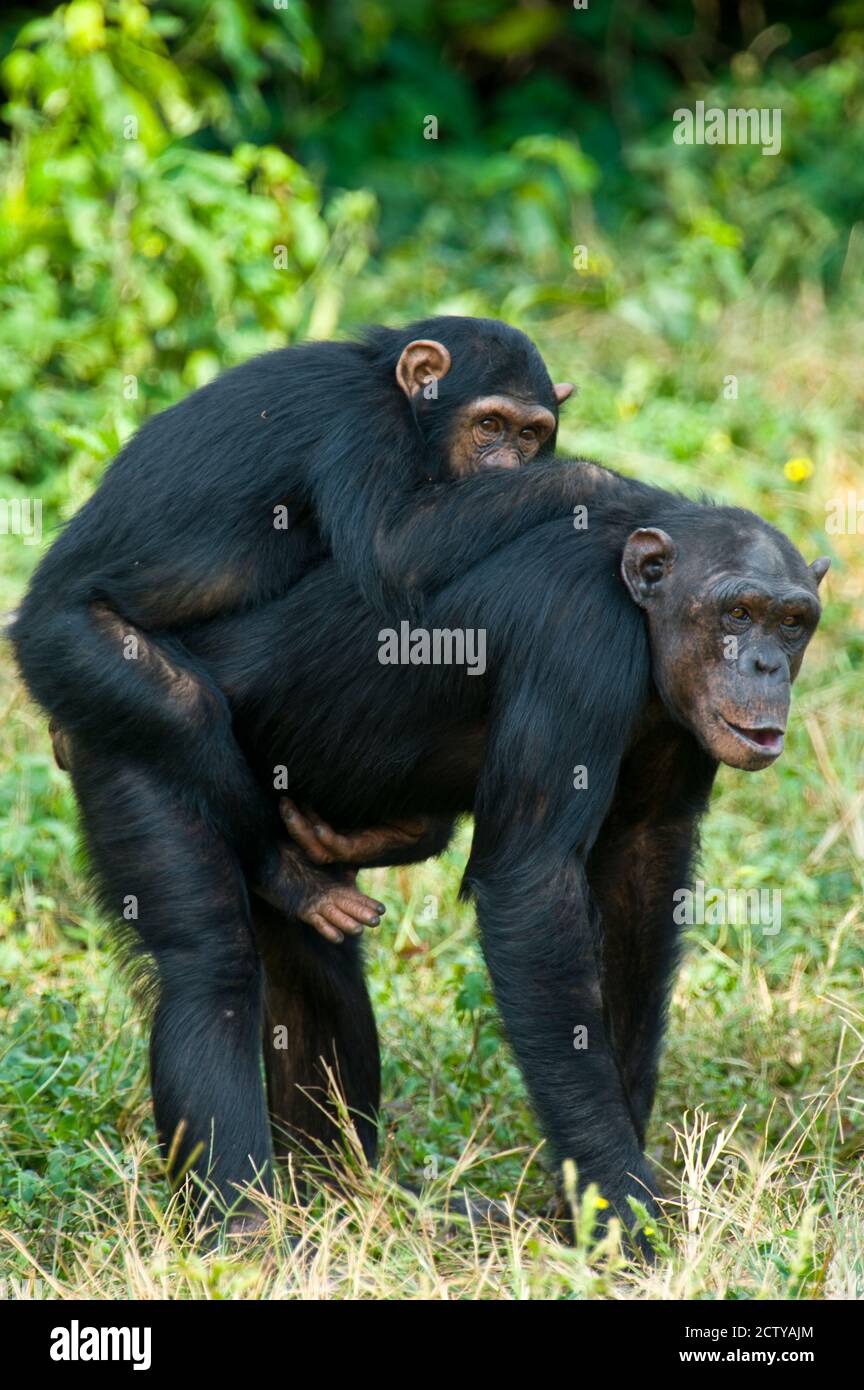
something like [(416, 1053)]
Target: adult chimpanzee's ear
[(648, 557), (820, 568), (563, 391), (421, 361)]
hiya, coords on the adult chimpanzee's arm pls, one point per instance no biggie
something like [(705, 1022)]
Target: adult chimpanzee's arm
[(562, 721), (541, 940), (641, 860)]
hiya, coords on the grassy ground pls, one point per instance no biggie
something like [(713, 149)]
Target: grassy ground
[(759, 1126)]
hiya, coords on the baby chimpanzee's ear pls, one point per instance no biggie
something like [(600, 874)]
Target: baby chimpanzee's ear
[(820, 568), (422, 361), (563, 390)]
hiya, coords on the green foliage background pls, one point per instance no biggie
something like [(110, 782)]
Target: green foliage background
[(156, 157), (183, 185)]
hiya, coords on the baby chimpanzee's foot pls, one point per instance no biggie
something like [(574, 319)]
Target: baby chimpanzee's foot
[(340, 910), (329, 901)]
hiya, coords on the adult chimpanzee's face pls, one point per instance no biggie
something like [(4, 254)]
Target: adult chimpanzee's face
[(499, 429), (729, 616)]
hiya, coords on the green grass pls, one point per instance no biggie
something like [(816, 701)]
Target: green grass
[(759, 1126)]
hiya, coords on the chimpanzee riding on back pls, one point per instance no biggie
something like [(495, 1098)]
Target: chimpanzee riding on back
[(612, 652), (359, 449)]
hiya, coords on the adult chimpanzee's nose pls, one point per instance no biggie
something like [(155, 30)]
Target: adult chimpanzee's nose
[(764, 661)]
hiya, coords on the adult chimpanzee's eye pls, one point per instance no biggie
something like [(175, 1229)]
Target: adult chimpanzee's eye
[(529, 432), (491, 424), (791, 621), (740, 614)]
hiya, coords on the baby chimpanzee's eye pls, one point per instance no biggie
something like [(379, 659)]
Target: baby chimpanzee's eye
[(491, 424), (529, 432)]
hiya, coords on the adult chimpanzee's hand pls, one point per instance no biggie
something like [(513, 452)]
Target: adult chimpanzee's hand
[(323, 845)]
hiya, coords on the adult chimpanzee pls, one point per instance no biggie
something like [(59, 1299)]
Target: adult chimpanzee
[(225, 500), (611, 653)]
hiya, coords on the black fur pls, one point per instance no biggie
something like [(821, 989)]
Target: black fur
[(573, 888), (181, 529)]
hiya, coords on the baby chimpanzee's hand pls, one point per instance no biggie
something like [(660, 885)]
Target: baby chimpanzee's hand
[(323, 845)]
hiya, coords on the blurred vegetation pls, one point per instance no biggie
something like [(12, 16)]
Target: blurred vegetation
[(155, 161), (185, 184)]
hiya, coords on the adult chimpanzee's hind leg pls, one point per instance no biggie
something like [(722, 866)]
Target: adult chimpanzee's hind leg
[(174, 881), (319, 1035)]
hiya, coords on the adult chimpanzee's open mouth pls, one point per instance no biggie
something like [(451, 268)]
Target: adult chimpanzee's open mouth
[(768, 738)]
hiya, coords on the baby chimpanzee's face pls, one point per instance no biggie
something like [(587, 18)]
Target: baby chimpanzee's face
[(498, 432), (503, 428)]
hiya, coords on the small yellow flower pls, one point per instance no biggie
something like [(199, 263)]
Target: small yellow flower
[(797, 470), (627, 409), (718, 442), (649, 1231), (600, 1203)]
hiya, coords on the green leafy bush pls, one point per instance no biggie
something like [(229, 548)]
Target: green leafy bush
[(137, 263)]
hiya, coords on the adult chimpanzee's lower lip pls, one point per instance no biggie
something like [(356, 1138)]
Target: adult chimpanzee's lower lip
[(768, 738)]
